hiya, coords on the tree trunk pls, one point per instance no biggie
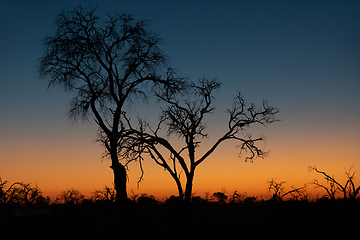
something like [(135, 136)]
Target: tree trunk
[(119, 179), (189, 185), (180, 190), (119, 172)]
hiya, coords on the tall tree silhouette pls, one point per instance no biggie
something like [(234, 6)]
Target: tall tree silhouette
[(184, 116), (107, 64)]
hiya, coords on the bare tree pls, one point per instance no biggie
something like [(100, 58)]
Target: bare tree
[(279, 194), (21, 193), (277, 189), (70, 196), (107, 194), (29, 194), (106, 64), (8, 194), (184, 116), (348, 190)]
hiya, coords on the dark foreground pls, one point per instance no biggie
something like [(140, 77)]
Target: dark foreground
[(177, 221)]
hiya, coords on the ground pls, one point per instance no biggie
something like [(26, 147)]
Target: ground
[(174, 221)]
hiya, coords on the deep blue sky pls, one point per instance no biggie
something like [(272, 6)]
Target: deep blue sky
[(304, 51), (303, 56)]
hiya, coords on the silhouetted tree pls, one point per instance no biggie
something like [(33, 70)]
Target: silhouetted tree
[(106, 64), (30, 195), (8, 194), (147, 199), (21, 193), (173, 200), (249, 200), (237, 197), (279, 193), (348, 190), (220, 196), (107, 194), (184, 116), (70, 196)]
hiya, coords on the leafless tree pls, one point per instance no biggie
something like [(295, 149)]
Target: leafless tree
[(348, 190), (70, 196), (9, 194), (21, 193), (107, 64), (278, 193), (107, 194), (29, 194), (184, 116)]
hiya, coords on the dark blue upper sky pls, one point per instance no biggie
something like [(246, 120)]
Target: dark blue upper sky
[(299, 52), (303, 56)]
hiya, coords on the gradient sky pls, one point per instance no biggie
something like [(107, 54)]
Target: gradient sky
[(303, 56)]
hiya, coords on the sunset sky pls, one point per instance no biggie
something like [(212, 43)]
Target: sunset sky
[(303, 56)]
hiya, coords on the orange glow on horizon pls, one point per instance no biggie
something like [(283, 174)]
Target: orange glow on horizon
[(77, 164)]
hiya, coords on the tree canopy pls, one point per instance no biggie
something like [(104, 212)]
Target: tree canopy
[(106, 63)]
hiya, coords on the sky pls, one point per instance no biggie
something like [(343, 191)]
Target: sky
[(302, 56)]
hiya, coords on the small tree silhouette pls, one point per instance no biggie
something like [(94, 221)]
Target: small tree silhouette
[(279, 193), (9, 194), (70, 196), (21, 193), (348, 190), (31, 195), (147, 199), (220, 196), (237, 197), (108, 194)]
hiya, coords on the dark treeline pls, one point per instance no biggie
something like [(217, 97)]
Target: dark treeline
[(26, 194), (220, 214), (21, 194)]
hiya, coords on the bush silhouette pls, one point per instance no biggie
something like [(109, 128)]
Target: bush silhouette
[(70, 196), (147, 199), (21, 193)]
